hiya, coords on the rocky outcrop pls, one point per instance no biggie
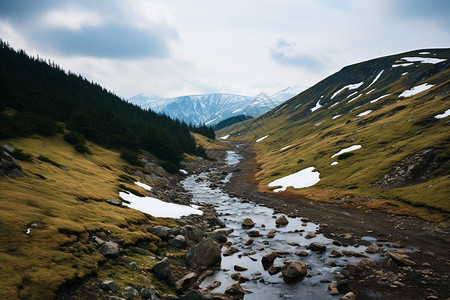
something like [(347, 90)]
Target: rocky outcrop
[(109, 249), (206, 253), (163, 271), (410, 170), (9, 166)]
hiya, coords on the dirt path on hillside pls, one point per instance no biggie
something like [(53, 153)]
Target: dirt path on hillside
[(427, 277)]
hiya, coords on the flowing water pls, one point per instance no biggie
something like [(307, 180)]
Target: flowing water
[(233, 211)]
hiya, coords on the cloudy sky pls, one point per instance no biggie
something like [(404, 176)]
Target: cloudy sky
[(179, 47)]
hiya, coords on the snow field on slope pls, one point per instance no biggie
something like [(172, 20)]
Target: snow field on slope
[(301, 179), (416, 90), (352, 86), (345, 150), (261, 139), (364, 113)]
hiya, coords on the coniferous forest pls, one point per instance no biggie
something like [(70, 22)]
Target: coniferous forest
[(36, 96)]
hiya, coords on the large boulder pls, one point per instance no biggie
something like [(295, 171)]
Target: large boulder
[(178, 242), (193, 233), (293, 270), (267, 259), (163, 271), (9, 166), (109, 249), (109, 285), (162, 232), (206, 253)]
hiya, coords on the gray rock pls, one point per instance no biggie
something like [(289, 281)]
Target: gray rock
[(274, 269), (9, 166), (310, 235), (218, 236), (254, 233), (138, 250), (239, 277), (130, 293), (109, 285), (161, 231), (9, 148), (185, 283), (235, 289), (133, 265), (163, 271), (109, 250), (149, 294), (193, 295), (267, 259), (373, 249), (293, 270), (193, 233), (206, 253), (178, 242), (301, 253), (348, 296)]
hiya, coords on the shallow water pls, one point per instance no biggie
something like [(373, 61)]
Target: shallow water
[(265, 286)]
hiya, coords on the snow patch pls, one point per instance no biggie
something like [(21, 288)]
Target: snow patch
[(335, 117), (143, 185), (370, 91), (261, 139), (352, 86), (317, 106), (425, 60), (375, 80), (348, 149), (364, 113), (351, 100), (237, 110), (379, 98), (224, 137), (334, 104), (402, 65), (334, 163), (284, 148), (301, 179), (403, 74), (423, 53), (416, 90), (444, 115), (158, 208), (184, 172)]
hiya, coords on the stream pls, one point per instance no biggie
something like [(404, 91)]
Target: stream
[(232, 211)]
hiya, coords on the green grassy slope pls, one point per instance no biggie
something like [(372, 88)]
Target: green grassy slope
[(396, 128)]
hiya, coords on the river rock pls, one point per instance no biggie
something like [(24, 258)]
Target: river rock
[(178, 242), (206, 253), (240, 268), (335, 253), (185, 283), (271, 234), (294, 244), (248, 223), (301, 253), (282, 221), (109, 285), (235, 290), (214, 285), (193, 295), (274, 269), (293, 270), (249, 242), (267, 259), (239, 277), (334, 291), (310, 235), (401, 259), (317, 247), (353, 253), (348, 296), (254, 233), (373, 249), (109, 249), (163, 271)]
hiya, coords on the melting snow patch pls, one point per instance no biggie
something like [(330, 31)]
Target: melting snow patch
[(345, 150), (353, 86), (184, 172), (284, 148), (379, 98), (280, 108), (415, 90), (143, 185), (352, 94), (317, 106), (423, 53), (158, 208), (444, 115), (375, 80), (425, 60), (237, 110), (301, 179), (334, 163), (364, 113), (334, 104), (402, 65), (260, 139), (335, 117), (354, 98), (224, 137), (370, 91), (403, 74)]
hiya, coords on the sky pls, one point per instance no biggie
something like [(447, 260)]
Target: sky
[(182, 47)]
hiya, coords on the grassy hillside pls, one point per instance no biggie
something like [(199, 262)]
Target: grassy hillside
[(311, 127), (67, 205)]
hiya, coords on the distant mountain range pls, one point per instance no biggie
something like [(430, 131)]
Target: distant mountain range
[(210, 109)]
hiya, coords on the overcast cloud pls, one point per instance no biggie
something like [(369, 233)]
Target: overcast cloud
[(173, 48)]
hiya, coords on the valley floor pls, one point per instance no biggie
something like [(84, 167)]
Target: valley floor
[(426, 278)]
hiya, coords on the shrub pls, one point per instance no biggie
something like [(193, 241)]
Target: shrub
[(170, 167), (20, 155), (131, 157)]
